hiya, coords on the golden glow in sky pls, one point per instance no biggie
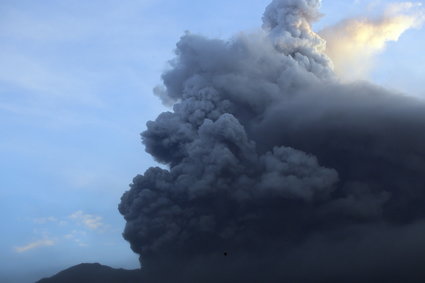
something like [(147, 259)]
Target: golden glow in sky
[(352, 43)]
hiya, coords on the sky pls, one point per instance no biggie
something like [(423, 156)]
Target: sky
[(76, 80)]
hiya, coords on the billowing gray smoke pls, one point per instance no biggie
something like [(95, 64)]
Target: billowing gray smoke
[(272, 161)]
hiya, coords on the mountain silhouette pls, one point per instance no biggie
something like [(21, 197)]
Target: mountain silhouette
[(94, 273)]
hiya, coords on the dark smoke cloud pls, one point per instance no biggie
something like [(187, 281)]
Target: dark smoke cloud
[(294, 175)]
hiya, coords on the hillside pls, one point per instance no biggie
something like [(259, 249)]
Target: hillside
[(93, 273)]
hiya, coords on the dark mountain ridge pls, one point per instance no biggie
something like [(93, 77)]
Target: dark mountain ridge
[(94, 273)]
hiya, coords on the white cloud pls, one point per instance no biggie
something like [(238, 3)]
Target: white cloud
[(91, 221), (34, 245)]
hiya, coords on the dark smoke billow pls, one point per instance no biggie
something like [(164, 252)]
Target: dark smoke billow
[(295, 176)]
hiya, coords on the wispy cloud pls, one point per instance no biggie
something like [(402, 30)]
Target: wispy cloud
[(77, 236), (77, 227), (41, 75), (90, 221), (34, 245), (41, 79), (45, 220), (352, 43)]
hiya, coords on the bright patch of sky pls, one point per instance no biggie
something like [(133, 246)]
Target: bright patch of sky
[(76, 80)]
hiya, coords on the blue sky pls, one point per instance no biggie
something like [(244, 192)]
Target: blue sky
[(76, 80)]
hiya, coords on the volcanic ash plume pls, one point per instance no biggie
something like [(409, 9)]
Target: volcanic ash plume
[(276, 171)]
